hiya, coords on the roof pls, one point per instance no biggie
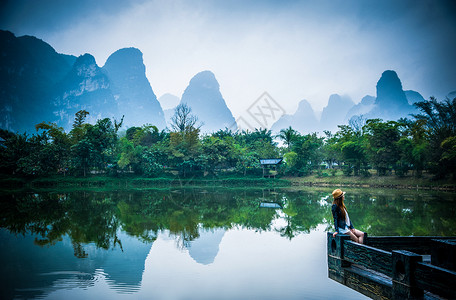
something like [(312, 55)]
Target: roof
[(271, 161)]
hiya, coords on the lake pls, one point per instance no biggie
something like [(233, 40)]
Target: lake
[(194, 243)]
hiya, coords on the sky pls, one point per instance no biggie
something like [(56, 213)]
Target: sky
[(293, 50)]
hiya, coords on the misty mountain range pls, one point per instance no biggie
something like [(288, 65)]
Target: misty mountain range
[(38, 84)]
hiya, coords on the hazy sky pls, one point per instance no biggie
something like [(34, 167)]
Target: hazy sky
[(294, 50)]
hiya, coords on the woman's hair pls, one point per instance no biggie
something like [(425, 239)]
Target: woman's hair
[(339, 201)]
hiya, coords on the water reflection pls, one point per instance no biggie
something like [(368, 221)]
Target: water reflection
[(204, 249), (58, 241)]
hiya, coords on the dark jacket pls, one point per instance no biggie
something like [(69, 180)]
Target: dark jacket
[(339, 221)]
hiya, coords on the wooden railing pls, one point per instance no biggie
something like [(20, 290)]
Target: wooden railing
[(386, 267)]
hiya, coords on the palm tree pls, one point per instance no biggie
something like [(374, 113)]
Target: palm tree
[(440, 121), (288, 135)]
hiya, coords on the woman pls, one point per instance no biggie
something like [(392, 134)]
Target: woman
[(342, 220)]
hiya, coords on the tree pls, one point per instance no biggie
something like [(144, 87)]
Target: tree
[(413, 147), (439, 119), (330, 150), (130, 154), (309, 155), (219, 152), (184, 140), (448, 157), (183, 120), (79, 126), (96, 148), (350, 143), (13, 149), (382, 140), (147, 135), (58, 142), (82, 155), (288, 135)]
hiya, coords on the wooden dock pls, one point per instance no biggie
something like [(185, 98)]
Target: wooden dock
[(395, 267)]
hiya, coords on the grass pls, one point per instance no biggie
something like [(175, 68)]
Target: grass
[(323, 179), (391, 181)]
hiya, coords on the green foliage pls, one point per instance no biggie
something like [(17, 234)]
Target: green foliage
[(439, 121), (309, 155), (403, 147), (288, 136), (151, 164), (382, 138)]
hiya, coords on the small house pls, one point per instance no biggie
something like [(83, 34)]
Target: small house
[(268, 164)]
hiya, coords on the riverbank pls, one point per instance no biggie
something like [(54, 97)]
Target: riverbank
[(426, 182), (102, 182)]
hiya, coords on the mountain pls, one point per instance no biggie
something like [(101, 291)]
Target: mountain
[(29, 69), (204, 98), (37, 84), (52, 65), (84, 87), (391, 102), (413, 97), (362, 108), (335, 112), (169, 103), (131, 89), (303, 120)]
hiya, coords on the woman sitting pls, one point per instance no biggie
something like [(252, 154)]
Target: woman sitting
[(342, 221)]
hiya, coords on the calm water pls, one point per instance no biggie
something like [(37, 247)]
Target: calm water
[(193, 243)]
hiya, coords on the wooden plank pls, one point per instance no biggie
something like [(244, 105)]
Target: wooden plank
[(369, 257), (418, 244), (368, 284), (365, 282), (436, 280)]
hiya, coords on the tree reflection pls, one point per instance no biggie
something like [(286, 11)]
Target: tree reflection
[(98, 217)]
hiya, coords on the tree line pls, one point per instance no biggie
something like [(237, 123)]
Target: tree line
[(424, 143)]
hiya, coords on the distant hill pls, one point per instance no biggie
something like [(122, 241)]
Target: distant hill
[(362, 108), (204, 98), (413, 97), (38, 84), (335, 112), (131, 89), (29, 70), (84, 87), (303, 120), (168, 102), (391, 102)]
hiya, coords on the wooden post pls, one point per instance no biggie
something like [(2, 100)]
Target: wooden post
[(404, 267), (336, 262), (443, 253), (336, 245)]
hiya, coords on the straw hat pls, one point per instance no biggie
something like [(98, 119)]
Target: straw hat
[(337, 193)]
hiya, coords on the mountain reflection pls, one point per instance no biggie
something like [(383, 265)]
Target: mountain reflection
[(205, 248), (45, 237)]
